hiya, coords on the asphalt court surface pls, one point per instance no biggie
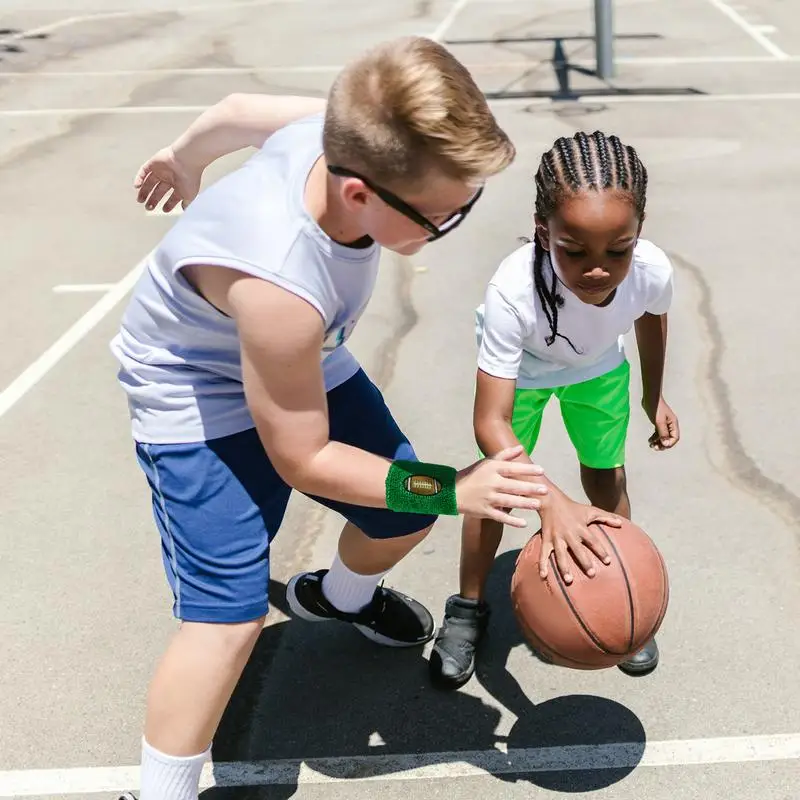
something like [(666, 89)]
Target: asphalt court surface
[(707, 91)]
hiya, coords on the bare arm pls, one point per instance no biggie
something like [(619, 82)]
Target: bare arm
[(651, 342), (286, 394), (239, 121), (174, 174)]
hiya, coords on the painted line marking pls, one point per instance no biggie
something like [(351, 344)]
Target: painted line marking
[(334, 68), (100, 16), (533, 101), (751, 30), (655, 98), (78, 288), (422, 766), (447, 22), (301, 69), (113, 110), (39, 369)]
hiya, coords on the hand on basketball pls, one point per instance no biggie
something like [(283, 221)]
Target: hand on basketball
[(567, 529), (166, 176), (667, 432), (491, 487)]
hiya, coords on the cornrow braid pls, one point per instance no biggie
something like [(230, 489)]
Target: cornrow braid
[(604, 157), (580, 163)]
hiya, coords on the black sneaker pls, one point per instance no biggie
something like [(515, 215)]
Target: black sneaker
[(644, 662), (391, 618), (452, 661), (127, 796)]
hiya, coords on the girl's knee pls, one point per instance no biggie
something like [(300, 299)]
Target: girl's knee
[(605, 488)]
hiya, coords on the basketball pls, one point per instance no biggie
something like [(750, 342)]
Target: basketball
[(593, 623)]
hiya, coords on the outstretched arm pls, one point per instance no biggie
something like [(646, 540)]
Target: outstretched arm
[(284, 387), (237, 122)]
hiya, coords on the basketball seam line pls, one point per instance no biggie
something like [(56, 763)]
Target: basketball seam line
[(627, 585), (578, 617), (551, 650)]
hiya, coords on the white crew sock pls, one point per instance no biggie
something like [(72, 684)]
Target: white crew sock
[(347, 590), (166, 777)]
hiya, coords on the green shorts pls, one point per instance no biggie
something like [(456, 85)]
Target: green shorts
[(595, 413)]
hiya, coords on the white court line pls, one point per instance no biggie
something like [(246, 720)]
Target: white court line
[(18, 388), (645, 61), (755, 97), (751, 30), (114, 110), (420, 766), (444, 25), (77, 288), (139, 12), (766, 97)]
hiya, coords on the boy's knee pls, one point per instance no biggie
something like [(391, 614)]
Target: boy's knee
[(236, 639)]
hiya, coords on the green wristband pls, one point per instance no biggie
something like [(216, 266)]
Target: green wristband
[(416, 488)]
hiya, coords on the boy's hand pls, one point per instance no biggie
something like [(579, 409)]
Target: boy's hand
[(667, 432), (166, 175), (492, 487), (566, 529)]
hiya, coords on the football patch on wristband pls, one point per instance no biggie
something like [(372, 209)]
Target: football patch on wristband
[(423, 485), (418, 488)]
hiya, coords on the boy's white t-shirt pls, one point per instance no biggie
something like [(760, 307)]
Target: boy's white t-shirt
[(512, 326), (179, 357)]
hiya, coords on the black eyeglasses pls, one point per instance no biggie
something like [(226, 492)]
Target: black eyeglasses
[(408, 211)]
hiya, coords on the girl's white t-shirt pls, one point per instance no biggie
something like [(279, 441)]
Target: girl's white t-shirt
[(512, 326)]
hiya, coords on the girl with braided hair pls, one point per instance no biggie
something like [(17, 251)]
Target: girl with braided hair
[(552, 324)]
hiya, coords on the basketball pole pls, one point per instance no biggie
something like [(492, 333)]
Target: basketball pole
[(604, 38)]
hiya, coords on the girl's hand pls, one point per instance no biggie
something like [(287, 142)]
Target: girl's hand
[(567, 529), (667, 432)]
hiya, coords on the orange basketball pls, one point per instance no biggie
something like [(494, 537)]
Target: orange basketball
[(597, 622)]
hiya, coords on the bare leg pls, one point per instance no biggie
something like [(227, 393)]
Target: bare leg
[(607, 489), (367, 556), (194, 682), (480, 539)]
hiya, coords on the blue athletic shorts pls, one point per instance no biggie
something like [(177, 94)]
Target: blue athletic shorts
[(218, 505)]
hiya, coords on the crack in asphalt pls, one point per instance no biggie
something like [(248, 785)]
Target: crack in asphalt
[(737, 465)]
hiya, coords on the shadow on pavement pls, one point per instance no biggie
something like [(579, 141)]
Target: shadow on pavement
[(564, 69), (331, 693)]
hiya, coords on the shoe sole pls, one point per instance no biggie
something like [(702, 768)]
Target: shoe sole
[(303, 613), (637, 670), (439, 681), (385, 641), (296, 607)]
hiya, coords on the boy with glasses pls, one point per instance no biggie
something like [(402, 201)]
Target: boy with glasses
[(240, 387)]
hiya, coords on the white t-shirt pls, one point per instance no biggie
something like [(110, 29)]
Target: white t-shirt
[(179, 357), (512, 326)]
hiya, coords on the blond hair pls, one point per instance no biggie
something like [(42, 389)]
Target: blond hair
[(406, 107)]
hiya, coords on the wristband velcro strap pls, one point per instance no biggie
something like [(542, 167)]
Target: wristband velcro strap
[(417, 488)]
